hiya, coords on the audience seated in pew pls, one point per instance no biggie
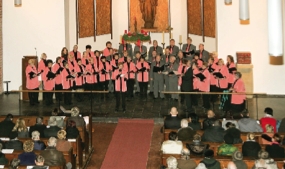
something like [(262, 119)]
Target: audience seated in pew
[(247, 124), (21, 128), (250, 147), (62, 144), (264, 161), (55, 117), (227, 149), (6, 126), (231, 165), (71, 130), (185, 133), (237, 158), (28, 156), (185, 162), (14, 143), (171, 163), (39, 126), (39, 161), (79, 121), (196, 147), (275, 150), (194, 121), (201, 166), (228, 121), (53, 128), (214, 133), (268, 119), (14, 163), (172, 146), (3, 159), (234, 132), (209, 160), (209, 121), (172, 121), (52, 156), (38, 144)]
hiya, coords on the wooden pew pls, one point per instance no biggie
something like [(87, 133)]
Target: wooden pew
[(25, 167)]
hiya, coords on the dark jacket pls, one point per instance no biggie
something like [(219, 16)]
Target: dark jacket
[(72, 132), (172, 122), (38, 127), (186, 134), (39, 145), (275, 151), (51, 131), (235, 133), (40, 167), (208, 122), (27, 158), (187, 80), (211, 163), (282, 126), (53, 157), (197, 148), (3, 159), (213, 134), (23, 134), (195, 126), (14, 144), (6, 127), (250, 149), (79, 121)]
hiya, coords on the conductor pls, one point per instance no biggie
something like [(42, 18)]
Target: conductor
[(187, 84)]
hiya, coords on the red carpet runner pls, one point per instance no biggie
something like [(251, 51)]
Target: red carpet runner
[(130, 145)]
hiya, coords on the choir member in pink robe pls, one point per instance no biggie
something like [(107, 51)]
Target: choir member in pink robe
[(85, 59), (215, 57), (89, 51), (75, 53), (196, 82), (79, 79), (121, 86), (67, 78), (91, 76), (114, 65), (204, 85), (212, 66), (143, 76), (64, 55), (41, 67), (198, 60), (222, 82), (106, 51), (57, 69), (181, 70), (124, 58), (238, 100), (130, 68), (180, 58), (32, 82), (232, 69), (49, 82), (104, 75)]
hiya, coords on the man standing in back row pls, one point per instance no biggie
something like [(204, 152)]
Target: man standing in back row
[(155, 47), (188, 47), (173, 49)]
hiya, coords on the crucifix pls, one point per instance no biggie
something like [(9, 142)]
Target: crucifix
[(169, 28)]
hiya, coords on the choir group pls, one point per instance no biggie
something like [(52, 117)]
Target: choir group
[(118, 71)]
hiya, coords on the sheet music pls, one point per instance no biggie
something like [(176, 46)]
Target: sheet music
[(1, 166), (7, 151), (4, 139), (71, 140), (86, 119)]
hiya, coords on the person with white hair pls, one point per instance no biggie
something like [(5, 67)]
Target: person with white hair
[(172, 121), (185, 133), (201, 166), (39, 126), (39, 161), (79, 121), (59, 120), (38, 144), (185, 162), (231, 165), (171, 163)]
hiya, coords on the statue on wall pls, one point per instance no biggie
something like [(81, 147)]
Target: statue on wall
[(148, 10)]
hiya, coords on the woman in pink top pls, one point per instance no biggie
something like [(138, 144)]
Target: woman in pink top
[(32, 82), (57, 69), (41, 67), (204, 85), (238, 100), (232, 69), (212, 66), (49, 82), (196, 82), (222, 82)]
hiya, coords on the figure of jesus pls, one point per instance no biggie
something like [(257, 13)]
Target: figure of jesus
[(148, 10)]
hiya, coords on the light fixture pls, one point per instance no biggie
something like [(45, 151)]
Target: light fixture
[(275, 31), (228, 2), (244, 11), (18, 3)]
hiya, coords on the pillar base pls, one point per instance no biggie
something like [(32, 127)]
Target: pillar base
[(245, 22), (276, 60), (228, 3)]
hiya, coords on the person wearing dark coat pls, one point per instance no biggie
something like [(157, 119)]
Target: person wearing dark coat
[(194, 122), (209, 120), (185, 133), (38, 144), (28, 156), (40, 163), (214, 133), (196, 147), (52, 130), (274, 150), (235, 133), (172, 121), (71, 130), (3, 159), (209, 160), (250, 148), (14, 143), (39, 126), (187, 85), (6, 126)]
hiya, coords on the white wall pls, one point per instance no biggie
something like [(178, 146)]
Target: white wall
[(37, 24), (233, 37)]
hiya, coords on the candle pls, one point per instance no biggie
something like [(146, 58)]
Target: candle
[(171, 35), (163, 37), (180, 38), (126, 31), (121, 37)]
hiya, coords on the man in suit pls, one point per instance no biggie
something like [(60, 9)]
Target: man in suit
[(140, 48), (187, 85), (52, 130), (172, 121), (214, 133), (171, 71), (155, 47), (173, 49), (6, 126), (156, 77), (188, 47), (39, 126), (126, 46), (136, 60), (203, 54), (14, 143), (151, 58)]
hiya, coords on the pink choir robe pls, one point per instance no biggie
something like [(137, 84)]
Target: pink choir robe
[(121, 82), (231, 77), (108, 68), (216, 60), (106, 52), (97, 62), (200, 63), (222, 83), (72, 64), (91, 78), (130, 69), (41, 67), (143, 76), (66, 83), (58, 78), (115, 64), (196, 80), (204, 85), (48, 83), (79, 80), (123, 59), (181, 70), (78, 56), (239, 87), (31, 83), (84, 61), (213, 80), (91, 54)]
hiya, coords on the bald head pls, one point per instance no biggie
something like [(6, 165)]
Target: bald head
[(185, 152), (210, 114), (231, 165), (173, 111)]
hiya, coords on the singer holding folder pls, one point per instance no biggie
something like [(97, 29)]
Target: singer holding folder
[(32, 82), (48, 77), (232, 69), (238, 101), (221, 73), (157, 67)]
